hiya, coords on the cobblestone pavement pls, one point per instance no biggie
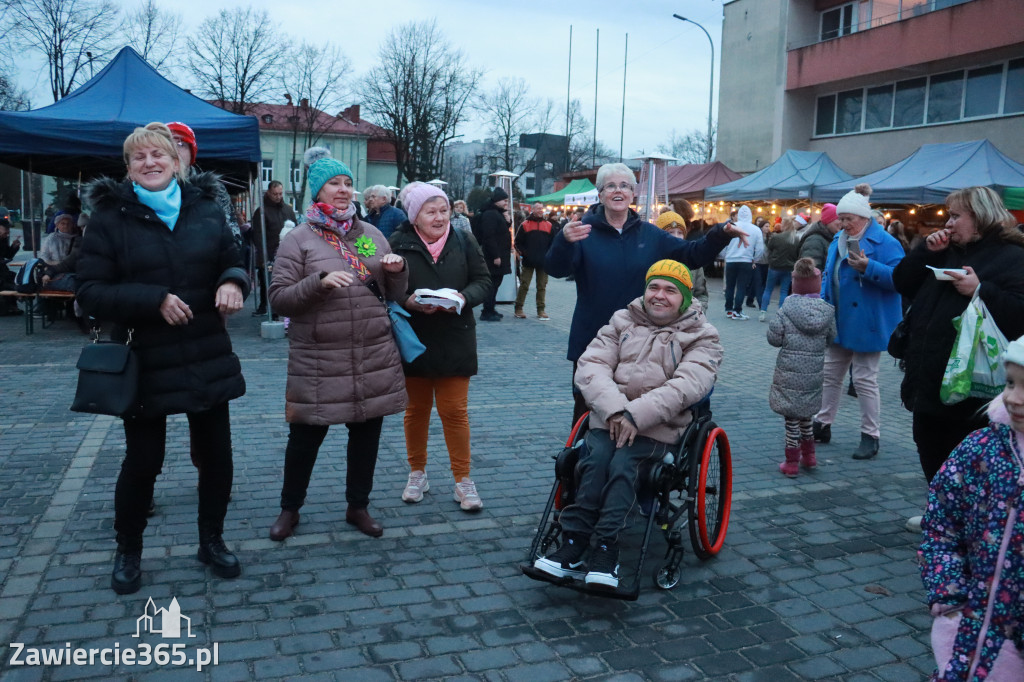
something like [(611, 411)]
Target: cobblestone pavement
[(817, 579)]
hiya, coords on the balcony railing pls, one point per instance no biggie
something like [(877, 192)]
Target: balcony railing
[(908, 9)]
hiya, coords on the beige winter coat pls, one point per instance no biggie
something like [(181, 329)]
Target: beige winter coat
[(343, 365), (654, 373)]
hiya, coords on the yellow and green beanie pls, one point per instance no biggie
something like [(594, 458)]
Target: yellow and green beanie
[(675, 272)]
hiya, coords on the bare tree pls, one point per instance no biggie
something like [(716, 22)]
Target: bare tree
[(234, 57), (694, 147), (153, 33), (583, 153), (510, 111), (459, 171), (11, 97), (546, 117), (313, 77), (419, 91), (70, 34)]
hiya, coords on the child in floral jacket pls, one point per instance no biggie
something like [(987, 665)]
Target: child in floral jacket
[(972, 557)]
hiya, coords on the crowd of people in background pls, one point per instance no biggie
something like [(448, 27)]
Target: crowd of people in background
[(845, 281)]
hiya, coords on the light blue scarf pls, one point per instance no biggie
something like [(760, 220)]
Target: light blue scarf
[(165, 202)]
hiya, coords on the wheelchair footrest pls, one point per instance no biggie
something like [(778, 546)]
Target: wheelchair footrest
[(627, 593)]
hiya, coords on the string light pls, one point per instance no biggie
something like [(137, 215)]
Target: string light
[(913, 211), (939, 212), (789, 212)]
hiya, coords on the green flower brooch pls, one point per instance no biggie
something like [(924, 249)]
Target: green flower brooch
[(365, 246)]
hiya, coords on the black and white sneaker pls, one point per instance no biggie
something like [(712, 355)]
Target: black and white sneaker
[(567, 560), (604, 566)]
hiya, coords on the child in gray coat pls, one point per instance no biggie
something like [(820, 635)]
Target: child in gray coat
[(803, 328)]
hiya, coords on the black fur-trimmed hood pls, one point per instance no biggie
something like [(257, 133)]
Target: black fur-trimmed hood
[(108, 190)]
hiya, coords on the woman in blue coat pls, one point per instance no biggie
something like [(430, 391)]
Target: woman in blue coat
[(857, 281)]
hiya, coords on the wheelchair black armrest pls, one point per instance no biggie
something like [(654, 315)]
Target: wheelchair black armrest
[(565, 463)]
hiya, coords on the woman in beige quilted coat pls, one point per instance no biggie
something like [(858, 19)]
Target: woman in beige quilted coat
[(343, 365)]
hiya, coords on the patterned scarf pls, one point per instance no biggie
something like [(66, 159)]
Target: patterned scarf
[(334, 219), (352, 259)]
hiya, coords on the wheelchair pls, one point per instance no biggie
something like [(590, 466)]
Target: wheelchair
[(691, 485)]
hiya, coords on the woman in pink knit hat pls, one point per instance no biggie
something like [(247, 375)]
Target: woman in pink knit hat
[(440, 257)]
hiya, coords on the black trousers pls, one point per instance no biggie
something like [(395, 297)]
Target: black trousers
[(492, 297), (937, 436), (304, 441), (145, 446)]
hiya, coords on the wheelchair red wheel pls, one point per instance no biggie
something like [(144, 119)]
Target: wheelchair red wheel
[(710, 488)]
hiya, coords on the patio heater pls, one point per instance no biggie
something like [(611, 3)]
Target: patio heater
[(508, 287), (653, 173)]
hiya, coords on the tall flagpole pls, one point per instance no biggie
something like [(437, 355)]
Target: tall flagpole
[(568, 88), (597, 58), (622, 125)]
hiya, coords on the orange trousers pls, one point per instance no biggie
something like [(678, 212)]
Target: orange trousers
[(452, 397)]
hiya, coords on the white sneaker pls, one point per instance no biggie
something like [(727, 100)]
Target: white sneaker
[(466, 495), (739, 316), (914, 524), (416, 486), (762, 316)]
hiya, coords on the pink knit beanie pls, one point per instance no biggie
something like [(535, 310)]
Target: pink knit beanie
[(806, 277), (828, 213), (416, 194)]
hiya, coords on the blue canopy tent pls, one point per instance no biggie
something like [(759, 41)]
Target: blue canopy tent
[(82, 135), (794, 175), (928, 175)]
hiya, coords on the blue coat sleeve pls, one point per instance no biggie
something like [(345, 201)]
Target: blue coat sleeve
[(881, 264)]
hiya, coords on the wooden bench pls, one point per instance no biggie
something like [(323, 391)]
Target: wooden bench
[(28, 304)]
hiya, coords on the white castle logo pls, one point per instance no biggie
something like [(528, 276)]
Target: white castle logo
[(169, 621)]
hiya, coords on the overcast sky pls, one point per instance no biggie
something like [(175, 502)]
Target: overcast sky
[(667, 73)]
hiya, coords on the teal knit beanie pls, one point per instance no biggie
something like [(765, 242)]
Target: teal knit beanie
[(323, 170)]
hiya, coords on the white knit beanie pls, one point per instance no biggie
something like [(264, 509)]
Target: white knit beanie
[(1015, 352), (855, 202)]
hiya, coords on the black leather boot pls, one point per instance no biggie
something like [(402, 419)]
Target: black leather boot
[(215, 554), (127, 575)]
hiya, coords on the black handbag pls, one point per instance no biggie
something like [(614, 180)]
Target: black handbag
[(108, 377), (900, 338)]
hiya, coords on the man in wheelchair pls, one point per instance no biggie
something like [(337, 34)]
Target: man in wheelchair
[(642, 372)]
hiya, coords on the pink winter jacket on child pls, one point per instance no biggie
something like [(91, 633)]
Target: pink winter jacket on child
[(654, 373)]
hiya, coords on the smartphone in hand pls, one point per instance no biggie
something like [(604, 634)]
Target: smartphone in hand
[(853, 246)]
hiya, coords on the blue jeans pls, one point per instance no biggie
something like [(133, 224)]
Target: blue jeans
[(737, 278), (781, 277)]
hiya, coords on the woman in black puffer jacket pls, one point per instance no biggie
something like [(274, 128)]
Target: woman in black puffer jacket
[(159, 263), (978, 238)]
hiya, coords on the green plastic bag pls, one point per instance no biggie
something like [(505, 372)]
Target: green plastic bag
[(974, 369)]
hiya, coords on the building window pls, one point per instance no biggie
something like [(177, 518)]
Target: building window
[(878, 108), (983, 89), (1014, 101), (945, 96), (980, 92), (909, 105), (837, 21), (267, 172), (549, 166), (826, 116), (478, 179), (296, 175), (530, 183), (848, 111)]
